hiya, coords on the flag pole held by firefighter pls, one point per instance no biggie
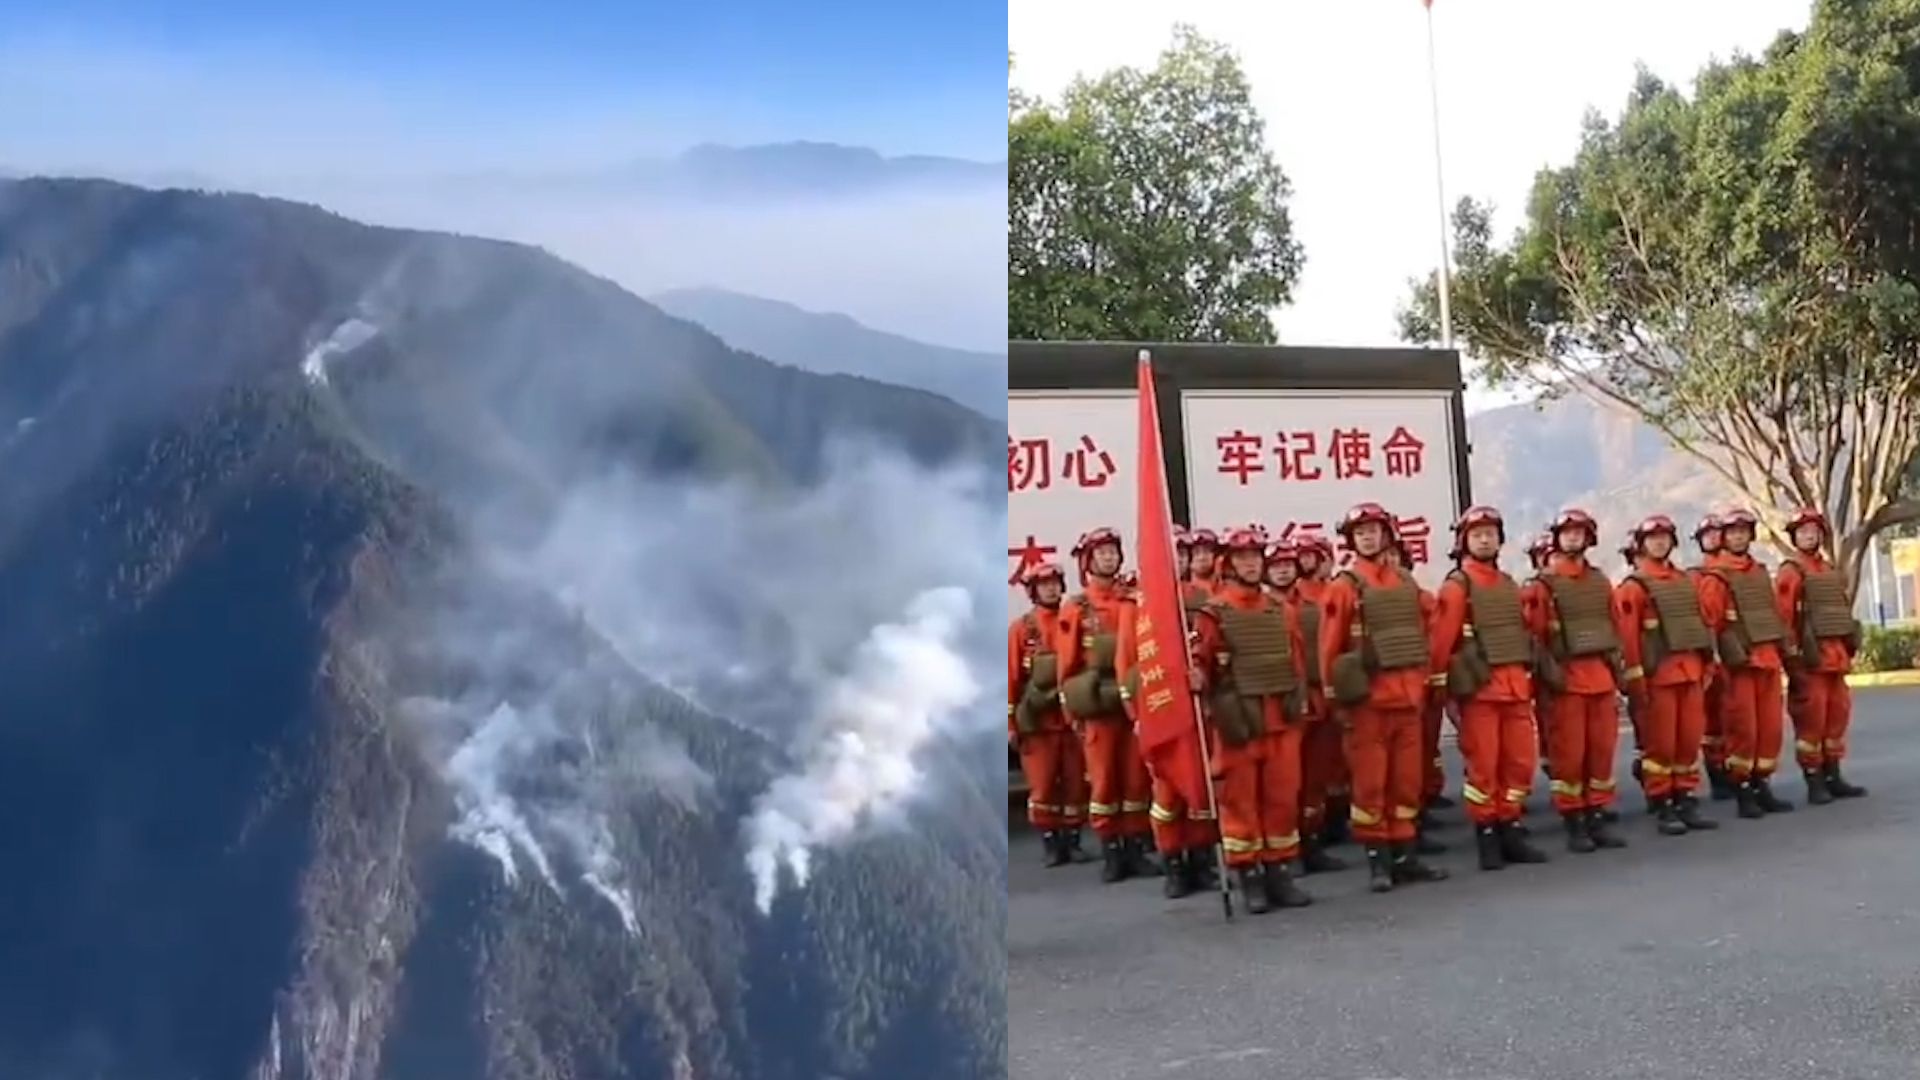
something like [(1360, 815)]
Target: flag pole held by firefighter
[(1172, 737)]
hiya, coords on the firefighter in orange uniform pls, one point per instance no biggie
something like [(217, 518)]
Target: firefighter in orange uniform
[(1539, 553), (1573, 604), (1203, 563), (1252, 664), (1323, 768), (1433, 776), (1635, 706), (1285, 581), (1183, 834), (1050, 752), (1481, 641), (1736, 593), (1665, 646), (1088, 647), (1375, 662), (1819, 611), (1713, 744)]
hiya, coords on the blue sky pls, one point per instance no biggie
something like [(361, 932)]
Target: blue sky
[(110, 77)]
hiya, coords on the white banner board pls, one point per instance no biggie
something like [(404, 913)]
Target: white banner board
[(1297, 460), (1070, 468)]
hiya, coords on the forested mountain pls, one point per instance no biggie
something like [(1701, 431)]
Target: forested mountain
[(272, 817)]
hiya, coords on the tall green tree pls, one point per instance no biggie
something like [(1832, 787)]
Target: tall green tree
[(1145, 206), (1738, 268)]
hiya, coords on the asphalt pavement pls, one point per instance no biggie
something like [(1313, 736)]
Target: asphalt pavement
[(1788, 946)]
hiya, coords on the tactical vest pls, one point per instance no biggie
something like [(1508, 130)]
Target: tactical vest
[(1582, 615), (1101, 642), (1825, 608), (1498, 622), (1390, 617), (1040, 695), (1262, 648), (1310, 630), (1753, 604), (1676, 614)]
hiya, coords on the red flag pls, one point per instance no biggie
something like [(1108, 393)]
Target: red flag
[(1163, 705)]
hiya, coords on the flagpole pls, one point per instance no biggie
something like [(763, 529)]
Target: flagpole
[(1199, 724), (1440, 191)]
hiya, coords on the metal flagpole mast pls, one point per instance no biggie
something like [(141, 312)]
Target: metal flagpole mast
[(1440, 191), (1199, 724)]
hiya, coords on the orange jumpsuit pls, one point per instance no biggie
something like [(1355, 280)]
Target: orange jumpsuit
[(1496, 723), (1051, 758), (1121, 789), (1751, 703), (1383, 733), (1820, 702), (1713, 744), (1322, 760), (1259, 781), (1583, 730), (1674, 710), (1177, 827)]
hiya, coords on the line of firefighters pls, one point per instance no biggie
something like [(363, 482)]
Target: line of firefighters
[(1324, 691)]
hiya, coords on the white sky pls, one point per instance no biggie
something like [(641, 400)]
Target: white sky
[(1343, 87)]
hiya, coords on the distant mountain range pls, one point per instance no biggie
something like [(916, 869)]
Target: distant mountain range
[(837, 344), (1531, 460), (241, 440)]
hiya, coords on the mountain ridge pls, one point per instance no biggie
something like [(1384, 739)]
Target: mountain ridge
[(260, 656)]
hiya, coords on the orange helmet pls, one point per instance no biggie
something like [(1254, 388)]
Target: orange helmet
[(1541, 544), (1654, 523), (1208, 537), (1245, 538), (1807, 515), (1040, 572), (1475, 516), (1083, 548), (1283, 551), (1709, 524), (1363, 513), (1576, 518), (1315, 543), (1733, 518)]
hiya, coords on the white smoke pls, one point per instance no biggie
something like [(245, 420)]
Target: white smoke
[(839, 620), (867, 725)]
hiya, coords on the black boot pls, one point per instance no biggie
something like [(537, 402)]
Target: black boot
[(1600, 831), (1579, 839), (1281, 891), (1766, 800), (1140, 861), (1635, 769), (1076, 852), (1441, 802), (1609, 816), (1749, 805), (1487, 838), (1666, 817), (1427, 845), (1253, 888), (1335, 831), (1839, 787), (1720, 785), (1379, 869), (1179, 880), (1113, 862), (1818, 793), (1056, 846), (1316, 860), (1687, 809), (1408, 869), (1200, 869), (1514, 847)]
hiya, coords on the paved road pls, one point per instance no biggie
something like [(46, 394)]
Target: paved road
[(1788, 946)]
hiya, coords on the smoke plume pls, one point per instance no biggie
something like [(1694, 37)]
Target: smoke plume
[(841, 620)]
